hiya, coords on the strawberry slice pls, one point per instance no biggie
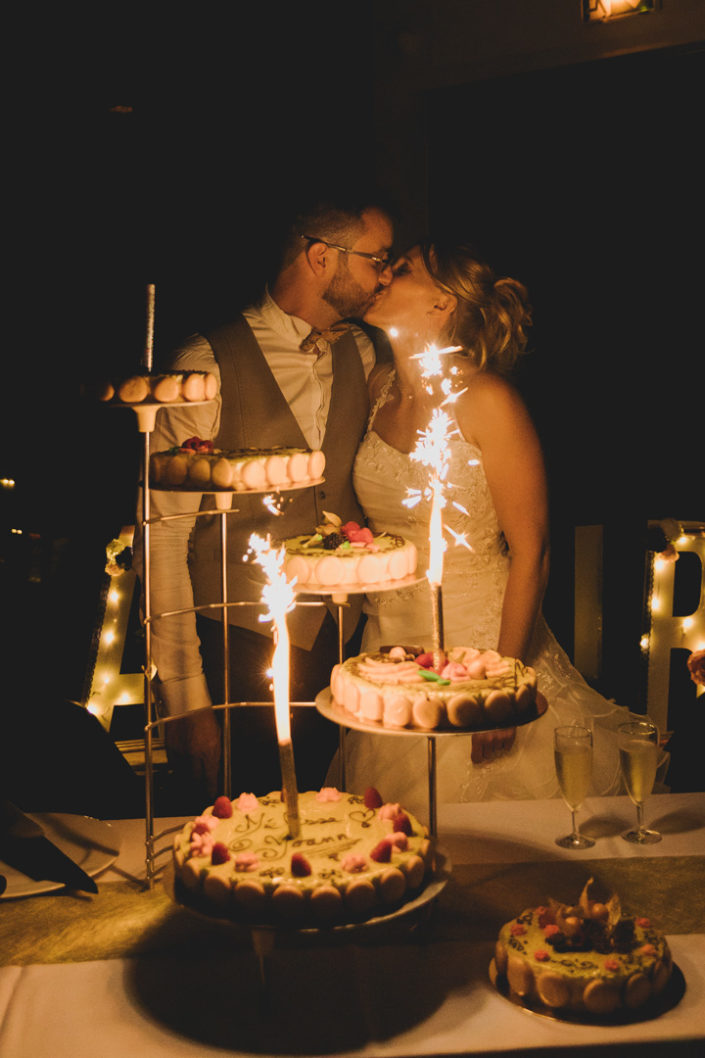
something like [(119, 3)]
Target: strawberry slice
[(382, 853), (402, 824), (300, 867), (220, 853), (223, 808)]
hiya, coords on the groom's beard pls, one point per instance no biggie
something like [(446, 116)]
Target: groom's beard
[(346, 296)]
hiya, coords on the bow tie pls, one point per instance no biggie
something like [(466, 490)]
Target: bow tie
[(331, 335)]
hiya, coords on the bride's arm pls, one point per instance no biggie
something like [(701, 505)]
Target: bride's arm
[(493, 415), (377, 377)]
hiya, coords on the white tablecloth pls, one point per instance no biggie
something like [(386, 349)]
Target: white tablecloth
[(429, 998)]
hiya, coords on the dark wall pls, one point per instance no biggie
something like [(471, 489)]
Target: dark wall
[(586, 183), (153, 148), (163, 150)]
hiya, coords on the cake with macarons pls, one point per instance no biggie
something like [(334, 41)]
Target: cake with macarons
[(355, 857), (347, 554), (589, 958)]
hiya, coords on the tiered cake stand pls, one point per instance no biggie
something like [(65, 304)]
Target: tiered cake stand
[(146, 419), (339, 595), (263, 936)]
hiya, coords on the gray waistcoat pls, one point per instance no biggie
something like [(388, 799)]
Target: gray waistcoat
[(256, 414)]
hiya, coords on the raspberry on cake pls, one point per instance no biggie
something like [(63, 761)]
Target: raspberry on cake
[(349, 555), (588, 958), (351, 859), (197, 465), (471, 689)]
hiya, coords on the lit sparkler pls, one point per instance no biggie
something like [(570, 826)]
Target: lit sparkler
[(278, 595), (433, 451)]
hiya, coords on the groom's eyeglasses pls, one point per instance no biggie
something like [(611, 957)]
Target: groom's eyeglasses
[(380, 263)]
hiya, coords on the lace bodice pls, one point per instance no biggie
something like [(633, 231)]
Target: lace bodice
[(473, 590), (475, 560)]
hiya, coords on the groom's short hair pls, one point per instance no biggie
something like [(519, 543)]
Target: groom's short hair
[(336, 220)]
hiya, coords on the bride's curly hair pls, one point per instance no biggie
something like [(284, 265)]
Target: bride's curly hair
[(492, 313)]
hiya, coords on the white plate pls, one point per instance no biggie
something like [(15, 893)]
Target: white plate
[(90, 843), (238, 492), (155, 405), (328, 707), (310, 588), (432, 887)]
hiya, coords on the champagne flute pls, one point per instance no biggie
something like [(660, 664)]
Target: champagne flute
[(638, 758), (572, 751)]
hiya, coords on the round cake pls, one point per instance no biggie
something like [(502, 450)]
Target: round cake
[(196, 464), (588, 958), (465, 689), (173, 388), (350, 555), (354, 857)]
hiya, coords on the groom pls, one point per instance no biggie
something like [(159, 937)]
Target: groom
[(288, 376)]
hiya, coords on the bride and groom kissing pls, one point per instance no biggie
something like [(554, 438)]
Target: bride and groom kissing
[(291, 375)]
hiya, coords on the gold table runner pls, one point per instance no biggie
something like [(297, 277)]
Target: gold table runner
[(122, 920)]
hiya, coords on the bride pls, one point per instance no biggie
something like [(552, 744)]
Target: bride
[(496, 562)]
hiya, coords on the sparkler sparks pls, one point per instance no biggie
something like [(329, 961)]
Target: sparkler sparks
[(278, 593), (433, 451), (279, 597)]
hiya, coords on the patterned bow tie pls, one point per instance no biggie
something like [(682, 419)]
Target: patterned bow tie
[(331, 335)]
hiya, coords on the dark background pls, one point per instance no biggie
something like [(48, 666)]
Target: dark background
[(164, 149), (584, 182)]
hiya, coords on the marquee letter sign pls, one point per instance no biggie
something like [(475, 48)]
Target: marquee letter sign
[(667, 632)]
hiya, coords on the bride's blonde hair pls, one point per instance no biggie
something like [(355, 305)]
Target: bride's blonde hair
[(492, 312)]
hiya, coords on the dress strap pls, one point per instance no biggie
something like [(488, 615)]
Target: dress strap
[(382, 396)]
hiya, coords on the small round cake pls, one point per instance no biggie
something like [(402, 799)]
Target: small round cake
[(354, 857), (198, 465), (465, 689), (174, 388), (349, 555), (588, 958)]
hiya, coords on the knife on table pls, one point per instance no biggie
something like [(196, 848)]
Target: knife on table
[(25, 846)]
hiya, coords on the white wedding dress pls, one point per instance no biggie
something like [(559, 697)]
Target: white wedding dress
[(474, 580)]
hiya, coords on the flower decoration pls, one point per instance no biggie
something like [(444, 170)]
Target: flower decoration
[(696, 666), (661, 539), (118, 558)]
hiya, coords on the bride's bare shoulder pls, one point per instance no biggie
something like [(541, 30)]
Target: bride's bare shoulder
[(488, 406), (482, 387)]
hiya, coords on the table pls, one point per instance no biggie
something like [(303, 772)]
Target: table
[(129, 972)]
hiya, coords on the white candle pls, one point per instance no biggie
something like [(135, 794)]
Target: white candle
[(149, 340)]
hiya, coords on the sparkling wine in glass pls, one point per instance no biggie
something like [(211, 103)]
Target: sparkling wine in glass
[(572, 750), (638, 757)]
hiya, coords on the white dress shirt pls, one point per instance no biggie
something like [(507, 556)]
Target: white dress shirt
[(305, 380)]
